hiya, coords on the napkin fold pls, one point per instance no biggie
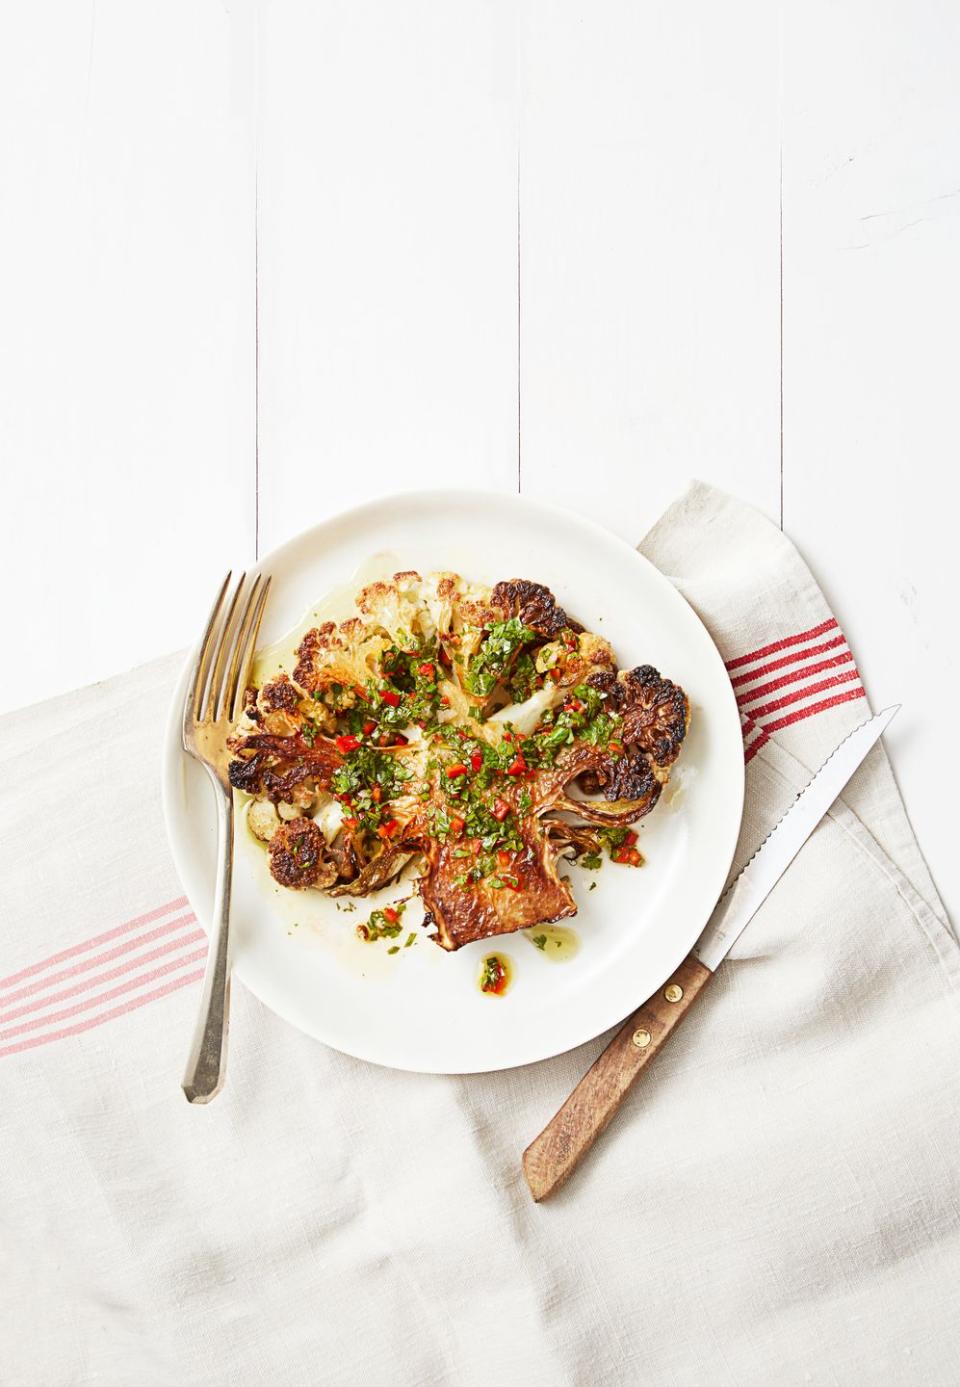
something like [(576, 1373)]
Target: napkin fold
[(776, 1203)]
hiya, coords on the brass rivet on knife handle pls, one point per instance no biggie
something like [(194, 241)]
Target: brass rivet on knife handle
[(550, 1159)]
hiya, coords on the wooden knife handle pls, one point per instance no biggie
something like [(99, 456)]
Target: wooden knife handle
[(568, 1136)]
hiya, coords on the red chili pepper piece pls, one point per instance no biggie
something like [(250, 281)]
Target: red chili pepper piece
[(457, 825), (517, 767), (361, 693), (504, 858), (500, 810), (629, 857), (508, 736), (390, 915), (476, 760), (376, 794), (388, 829), (399, 739), (351, 823), (427, 669), (348, 743), (368, 727), (445, 701), (630, 839), (390, 696), (454, 772)]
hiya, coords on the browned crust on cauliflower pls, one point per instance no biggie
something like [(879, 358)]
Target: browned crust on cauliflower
[(315, 643), (463, 915), (534, 604), (280, 695), (298, 856)]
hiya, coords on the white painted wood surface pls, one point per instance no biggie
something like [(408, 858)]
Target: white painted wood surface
[(523, 244)]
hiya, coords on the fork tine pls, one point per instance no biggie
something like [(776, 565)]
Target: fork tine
[(226, 637), (192, 702), (238, 645), (246, 647)]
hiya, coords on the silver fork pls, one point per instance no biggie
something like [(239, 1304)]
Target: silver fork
[(212, 706)]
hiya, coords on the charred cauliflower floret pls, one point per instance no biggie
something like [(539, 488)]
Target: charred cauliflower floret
[(298, 856), (397, 608), (656, 714), (346, 656), (532, 604), (461, 612), (574, 659), (475, 735)]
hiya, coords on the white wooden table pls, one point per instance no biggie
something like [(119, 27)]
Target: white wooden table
[(259, 262)]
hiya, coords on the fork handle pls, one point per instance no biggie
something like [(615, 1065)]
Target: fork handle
[(204, 1074), (568, 1136)]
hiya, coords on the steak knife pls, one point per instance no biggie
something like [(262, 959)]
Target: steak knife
[(569, 1135)]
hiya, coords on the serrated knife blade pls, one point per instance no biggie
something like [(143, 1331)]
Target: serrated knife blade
[(759, 876)]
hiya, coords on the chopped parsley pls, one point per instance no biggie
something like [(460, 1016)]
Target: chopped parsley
[(382, 924), (501, 643), (613, 838), (523, 678)]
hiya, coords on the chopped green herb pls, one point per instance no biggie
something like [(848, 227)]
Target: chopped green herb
[(382, 924), (613, 838), (502, 642)]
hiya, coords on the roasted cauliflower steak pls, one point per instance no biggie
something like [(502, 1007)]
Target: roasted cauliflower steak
[(480, 734)]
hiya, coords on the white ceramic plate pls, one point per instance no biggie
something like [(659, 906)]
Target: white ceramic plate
[(421, 1008)]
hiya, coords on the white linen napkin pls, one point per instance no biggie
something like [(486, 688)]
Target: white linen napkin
[(778, 1201)]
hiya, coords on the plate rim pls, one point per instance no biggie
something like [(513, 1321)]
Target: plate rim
[(172, 753)]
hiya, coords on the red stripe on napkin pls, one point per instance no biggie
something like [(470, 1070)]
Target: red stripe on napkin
[(787, 660), (807, 667), (163, 943), (114, 933), (754, 737), (776, 646), (36, 1022), (65, 993), (106, 957), (802, 713), (777, 703), (132, 1005), (795, 676)]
